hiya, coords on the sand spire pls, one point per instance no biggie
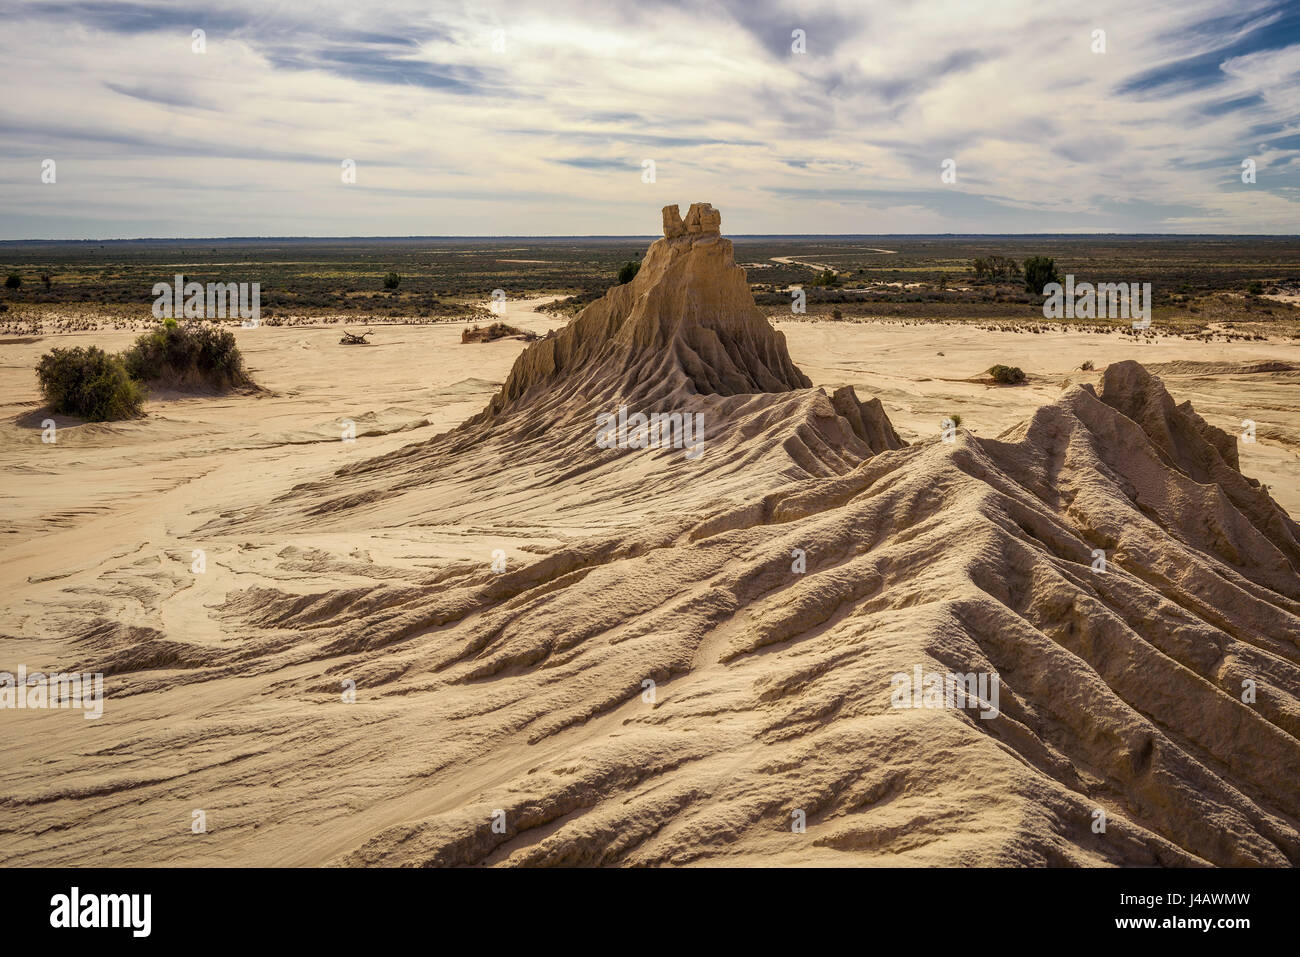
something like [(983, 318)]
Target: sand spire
[(686, 324)]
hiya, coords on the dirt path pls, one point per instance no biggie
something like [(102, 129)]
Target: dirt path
[(791, 261)]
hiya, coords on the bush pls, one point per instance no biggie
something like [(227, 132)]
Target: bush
[(1254, 288), (836, 314), (827, 277), (1007, 375), (88, 383), (627, 272), (1039, 271), (392, 281), (1087, 366), (13, 281), (188, 356)]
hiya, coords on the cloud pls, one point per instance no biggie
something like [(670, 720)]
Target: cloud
[(168, 96), (591, 162), (534, 119)]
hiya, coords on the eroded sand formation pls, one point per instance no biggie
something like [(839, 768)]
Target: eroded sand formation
[(520, 697)]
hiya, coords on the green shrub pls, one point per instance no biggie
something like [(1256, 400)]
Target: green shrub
[(194, 355), (1254, 288), (627, 272), (1007, 375), (392, 281), (13, 281), (1039, 271), (88, 383)]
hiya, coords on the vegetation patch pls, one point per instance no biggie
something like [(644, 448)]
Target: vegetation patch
[(1007, 375), (497, 330), (1039, 271), (192, 357), (90, 384)]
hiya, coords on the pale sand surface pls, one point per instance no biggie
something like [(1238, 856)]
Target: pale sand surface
[(488, 711)]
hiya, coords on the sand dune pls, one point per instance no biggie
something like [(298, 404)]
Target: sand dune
[(683, 654)]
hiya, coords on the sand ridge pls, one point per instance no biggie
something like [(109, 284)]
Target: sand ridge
[(521, 697)]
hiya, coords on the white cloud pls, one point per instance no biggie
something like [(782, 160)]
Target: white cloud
[(452, 137)]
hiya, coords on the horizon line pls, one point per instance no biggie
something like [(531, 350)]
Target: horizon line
[(652, 237)]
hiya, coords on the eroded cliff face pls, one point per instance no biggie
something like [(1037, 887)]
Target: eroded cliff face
[(687, 324)]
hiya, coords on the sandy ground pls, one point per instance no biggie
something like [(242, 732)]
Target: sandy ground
[(100, 530)]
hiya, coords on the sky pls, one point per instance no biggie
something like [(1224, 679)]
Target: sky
[(537, 119)]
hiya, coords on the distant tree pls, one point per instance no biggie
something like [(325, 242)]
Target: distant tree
[(995, 267), (1004, 267), (45, 278), (627, 272), (13, 281), (392, 281), (1039, 271), (827, 277)]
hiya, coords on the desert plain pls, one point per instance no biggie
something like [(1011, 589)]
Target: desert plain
[(458, 633)]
